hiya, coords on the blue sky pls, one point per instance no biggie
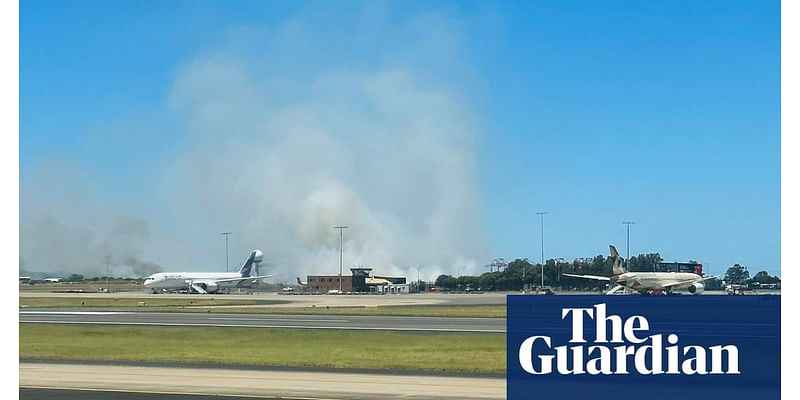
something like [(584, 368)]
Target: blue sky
[(666, 114)]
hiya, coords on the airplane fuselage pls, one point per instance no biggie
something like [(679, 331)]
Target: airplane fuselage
[(182, 280), (645, 281), (208, 282)]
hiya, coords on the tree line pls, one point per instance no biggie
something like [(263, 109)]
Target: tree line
[(523, 274), (739, 275)]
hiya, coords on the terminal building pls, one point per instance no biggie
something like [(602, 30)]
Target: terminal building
[(361, 280), (693, 267)]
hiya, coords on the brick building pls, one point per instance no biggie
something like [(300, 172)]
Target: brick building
[(324, 283), (360, 281)]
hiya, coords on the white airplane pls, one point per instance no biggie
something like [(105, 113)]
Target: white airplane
[(206, 282), (648, 282)]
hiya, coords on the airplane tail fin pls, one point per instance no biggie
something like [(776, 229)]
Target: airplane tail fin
[(247, 268), (617, 267), (299, 282)]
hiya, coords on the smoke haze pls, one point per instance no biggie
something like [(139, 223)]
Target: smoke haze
[(287, 131)]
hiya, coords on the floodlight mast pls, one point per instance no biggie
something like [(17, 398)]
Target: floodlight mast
[(542, 214), (108, 272), (628, 242), (341, 229), (226, 234)]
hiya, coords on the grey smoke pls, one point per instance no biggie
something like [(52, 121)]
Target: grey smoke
[(279, 146), (66, 227)]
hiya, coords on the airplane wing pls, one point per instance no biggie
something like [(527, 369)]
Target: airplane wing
[(595, 277), (685, 281), (242, 279)]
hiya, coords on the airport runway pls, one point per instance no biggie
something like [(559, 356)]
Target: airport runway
[(413, 324), (85, 381), (271, 299), (84, 394)]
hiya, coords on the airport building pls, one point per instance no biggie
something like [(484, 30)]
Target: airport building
[(361, 280), (325, 283), (695, 268)]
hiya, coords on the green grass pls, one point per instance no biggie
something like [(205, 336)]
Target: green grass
[(451, 352)]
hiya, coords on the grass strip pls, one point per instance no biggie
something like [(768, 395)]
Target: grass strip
[(447, 352)]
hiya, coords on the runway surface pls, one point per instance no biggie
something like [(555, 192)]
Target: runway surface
[(79, 381), (69, 394), (298, 300), (413, 324)]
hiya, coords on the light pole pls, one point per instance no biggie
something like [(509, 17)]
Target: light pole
[(226, 234), (341, 229), (559, 261), (108, 272), (542, 214), (525, 262), (628, 241)]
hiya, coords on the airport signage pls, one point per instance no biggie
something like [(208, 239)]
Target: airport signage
[(659, 347)]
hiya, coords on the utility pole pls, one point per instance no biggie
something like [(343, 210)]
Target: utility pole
[(341, 229), (419, 281), (226, 234), (628, 241), (108, 271), (525, 262), (542, 214)]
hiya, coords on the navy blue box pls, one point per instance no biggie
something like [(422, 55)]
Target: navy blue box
[(748, 369)]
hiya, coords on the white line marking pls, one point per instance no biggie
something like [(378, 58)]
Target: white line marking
[(359, 328)]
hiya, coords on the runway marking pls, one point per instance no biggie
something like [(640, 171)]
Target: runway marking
[(279, 319), (360, 328), (258, 396), (75, 312)]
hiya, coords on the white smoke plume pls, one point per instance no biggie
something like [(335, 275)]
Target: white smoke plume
[(281, 145)]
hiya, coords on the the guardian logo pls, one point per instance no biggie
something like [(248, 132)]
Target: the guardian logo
[(627, 350)]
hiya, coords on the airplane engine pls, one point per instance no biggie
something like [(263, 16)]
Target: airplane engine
[(209, 287), (696, 288), (212, 287)]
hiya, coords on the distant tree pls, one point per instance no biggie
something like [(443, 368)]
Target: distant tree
[(502, 283), (764, 277), (446, 281), (644, 262), (737, 274), (487, 281), (75, 278)]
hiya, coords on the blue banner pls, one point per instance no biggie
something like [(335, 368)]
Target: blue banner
[(653, 347)]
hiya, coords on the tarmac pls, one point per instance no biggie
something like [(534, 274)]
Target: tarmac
[(272, 299), (69, 381), (345, 322)]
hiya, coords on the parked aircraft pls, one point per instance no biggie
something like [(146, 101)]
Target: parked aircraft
[(648, 282), (207, 282)]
